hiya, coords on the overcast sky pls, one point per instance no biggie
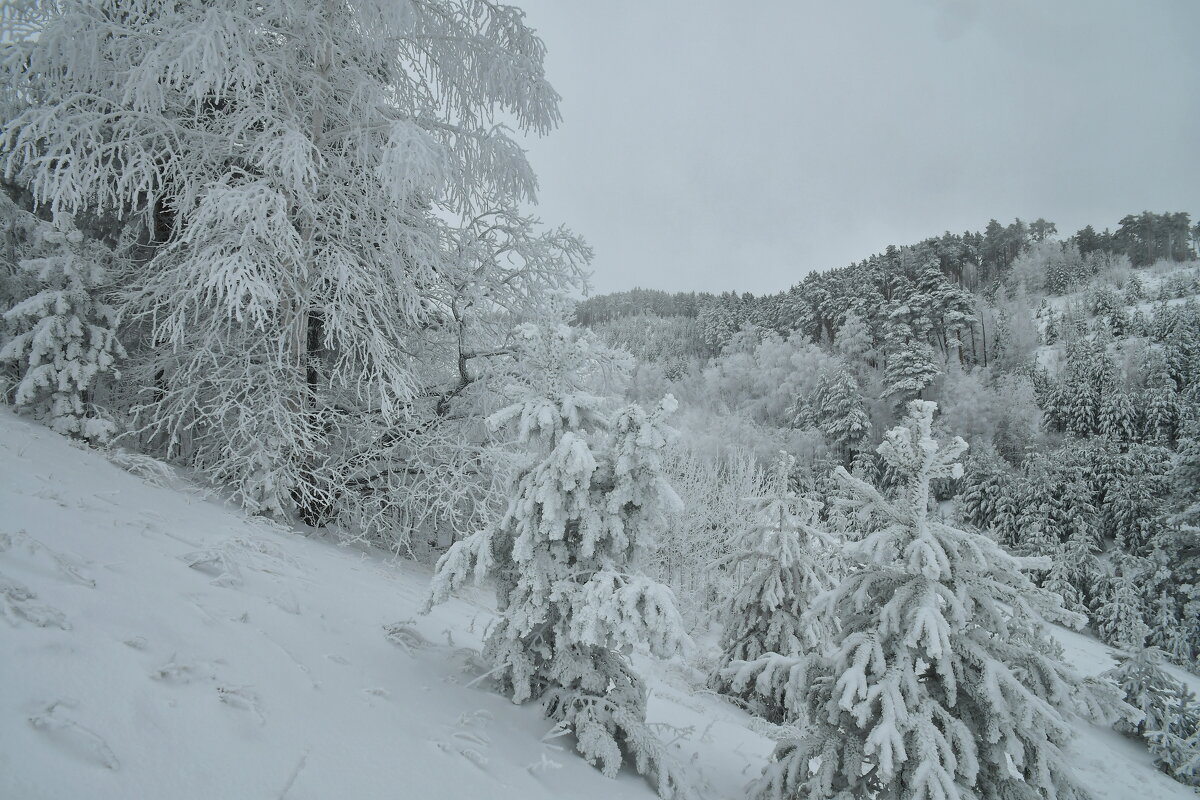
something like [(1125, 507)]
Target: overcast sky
[(713, 145)]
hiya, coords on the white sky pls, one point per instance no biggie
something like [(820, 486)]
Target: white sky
[(738, 145)]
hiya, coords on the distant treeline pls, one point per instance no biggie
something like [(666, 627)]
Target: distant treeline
[(975, 261)]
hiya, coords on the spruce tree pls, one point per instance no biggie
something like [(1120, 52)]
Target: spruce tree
[(1074, 569), (1170, 718), (1176, 745), (940, 680), (1119, 419), (910, 368), (779, 570), (581, 514), (836, 408), (66, 335), (1120, 619)]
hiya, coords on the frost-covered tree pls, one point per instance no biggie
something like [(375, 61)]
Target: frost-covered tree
[(290, 173), (65, 334), (940, 681), (838, 410), (910, 369), (564, 556), (1176, 746), (1074, 569), (1120, 619), (1119, 419), (1076, 401), (853, 341), (1147, 687), (779, 567), (1170, 718)]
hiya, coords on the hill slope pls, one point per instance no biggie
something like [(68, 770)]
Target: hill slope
[(160, 644)]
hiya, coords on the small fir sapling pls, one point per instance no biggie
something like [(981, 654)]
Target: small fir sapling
[(779, 568), (564, 557)]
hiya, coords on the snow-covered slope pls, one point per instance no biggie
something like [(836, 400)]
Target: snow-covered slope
[(159, 644)]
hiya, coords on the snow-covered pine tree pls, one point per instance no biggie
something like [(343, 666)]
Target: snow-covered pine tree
[(779, 567), (1170, 716), (564, 556), (1171, 631), (837, 409), (1050, 331), (1176, 745), (1134, 502), (1146, 686), (910, 368), (940, 681), (1161, 406), (1134, 291), (1120, 618), (65, 334), (288, 171), (1074, 569), (1075, 402), (992, 496), (1119, 419), (1180, 541), (18, 232)]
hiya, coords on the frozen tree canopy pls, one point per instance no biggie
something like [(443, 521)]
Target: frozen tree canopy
[(288, 176)]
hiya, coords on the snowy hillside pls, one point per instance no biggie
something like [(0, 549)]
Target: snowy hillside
[(160, 644)]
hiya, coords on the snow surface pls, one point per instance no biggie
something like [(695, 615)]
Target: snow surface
[(161, 644)]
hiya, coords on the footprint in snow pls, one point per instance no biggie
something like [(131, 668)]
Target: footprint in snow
[(18, 602), (286, 601), (468, 738), (244, 698), (180, 672), (404, 635), (72, 738), (67, 565), (225, 560), (51, 495)]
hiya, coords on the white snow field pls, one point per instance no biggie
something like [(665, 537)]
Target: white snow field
[(160, 644)]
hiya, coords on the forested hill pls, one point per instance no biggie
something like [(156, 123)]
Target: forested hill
[(942, 280), (1069, 365)]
